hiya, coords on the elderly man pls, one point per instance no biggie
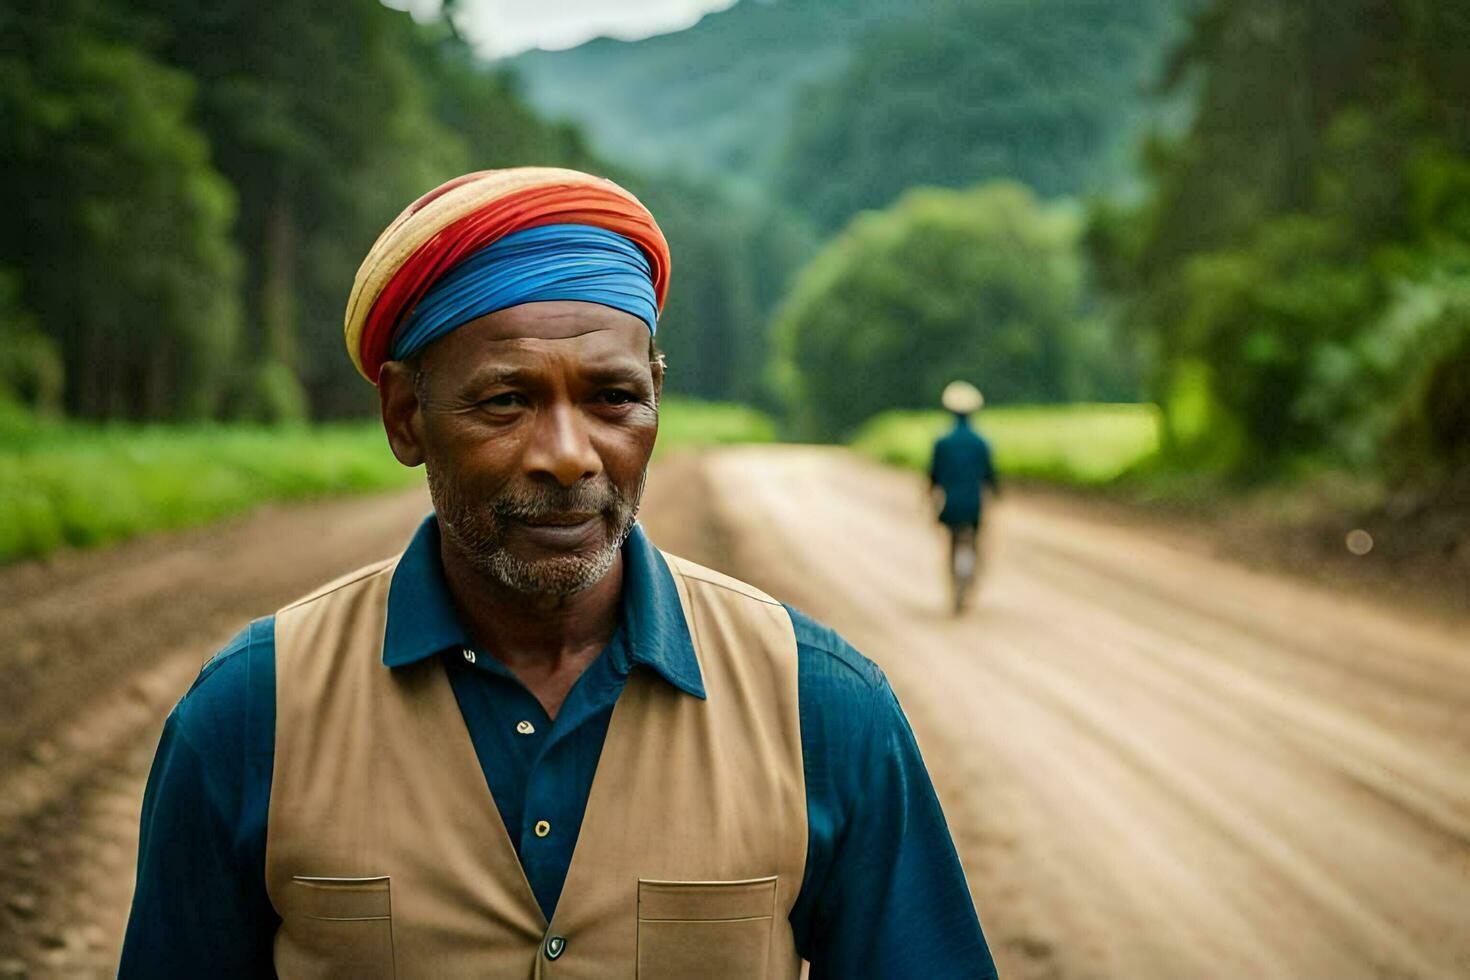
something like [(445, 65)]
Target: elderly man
[(532, 744)]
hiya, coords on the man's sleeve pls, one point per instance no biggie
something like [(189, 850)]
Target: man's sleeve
[(885, 895), (199, 906)]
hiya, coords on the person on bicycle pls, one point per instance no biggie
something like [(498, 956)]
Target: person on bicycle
[(960, 469)]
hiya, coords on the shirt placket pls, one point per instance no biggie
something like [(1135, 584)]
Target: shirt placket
[(553, 812)]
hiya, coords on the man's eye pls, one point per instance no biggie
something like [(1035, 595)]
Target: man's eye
[(509, 399), (617, 396)]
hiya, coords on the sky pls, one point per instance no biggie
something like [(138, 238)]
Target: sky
[(499, 28)]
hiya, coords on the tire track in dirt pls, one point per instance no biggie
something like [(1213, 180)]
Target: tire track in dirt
[(96, 648), (1154, 763), (1201, 771)]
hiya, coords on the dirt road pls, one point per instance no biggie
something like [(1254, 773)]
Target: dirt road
[(1155, 764)]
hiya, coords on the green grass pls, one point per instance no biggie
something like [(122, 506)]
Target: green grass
[(83, 486), (65, 484), (1083, 445), (687, 422)]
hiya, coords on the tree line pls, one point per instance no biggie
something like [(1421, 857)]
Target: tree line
[(1300, 265), (1047, 92), (1287, 273), (190, 187)]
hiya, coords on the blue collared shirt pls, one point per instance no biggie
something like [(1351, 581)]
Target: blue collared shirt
[(961, 464), (883, 893)]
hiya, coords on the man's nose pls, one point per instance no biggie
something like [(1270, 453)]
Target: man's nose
[(561, 448)]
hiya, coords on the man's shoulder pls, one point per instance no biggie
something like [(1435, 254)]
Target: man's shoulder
[(220, 701), (826, 661), (950, 438), (826, 653), (696, 575), (384, 567), (849, 716)]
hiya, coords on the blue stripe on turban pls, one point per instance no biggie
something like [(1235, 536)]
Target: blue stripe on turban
[(551, 262)]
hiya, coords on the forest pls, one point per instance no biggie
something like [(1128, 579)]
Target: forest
[(1255, 214), (189, 189)]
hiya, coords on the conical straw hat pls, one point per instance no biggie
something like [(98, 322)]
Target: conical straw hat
[(962, 398)]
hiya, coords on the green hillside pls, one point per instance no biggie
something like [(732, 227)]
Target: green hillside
[(713, 99), (1049, 92), (839, 105)]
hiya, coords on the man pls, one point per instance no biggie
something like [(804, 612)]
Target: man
[(958, 472), (533, 745)]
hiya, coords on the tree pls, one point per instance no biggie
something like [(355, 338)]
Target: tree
[(984, 284), (1305, 243), (323, 126), (1048, 92), (731, 254), (117, 225)]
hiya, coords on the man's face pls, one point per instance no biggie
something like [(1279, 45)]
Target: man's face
[(535, 424)]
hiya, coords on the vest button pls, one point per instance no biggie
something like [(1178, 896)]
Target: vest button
[(542, 828), (525, 728), (555, 946), (469, 655)]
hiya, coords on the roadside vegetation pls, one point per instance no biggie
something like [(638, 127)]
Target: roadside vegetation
[(686, 423), (80, 485), (72, 484), (1287, 279), (1079, 445)]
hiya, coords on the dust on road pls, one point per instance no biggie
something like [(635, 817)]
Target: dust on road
[(1155, 764)]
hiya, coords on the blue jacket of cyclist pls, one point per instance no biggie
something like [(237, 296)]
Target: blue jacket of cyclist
[(961, 465)]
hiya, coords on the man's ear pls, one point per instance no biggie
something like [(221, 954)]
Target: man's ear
[(402, 421)]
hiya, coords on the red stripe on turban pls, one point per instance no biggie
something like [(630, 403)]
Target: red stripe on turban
[(462, 216)]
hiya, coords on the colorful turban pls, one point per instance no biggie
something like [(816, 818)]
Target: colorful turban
[(468, 248)]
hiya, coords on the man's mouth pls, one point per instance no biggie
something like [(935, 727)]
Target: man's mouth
[(570, 519), (561, 532)]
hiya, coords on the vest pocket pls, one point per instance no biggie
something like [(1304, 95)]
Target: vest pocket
[(717, 929), (336, 927)]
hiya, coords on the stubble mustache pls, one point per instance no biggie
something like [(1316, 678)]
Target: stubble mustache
[(478, 526), (538, 505)]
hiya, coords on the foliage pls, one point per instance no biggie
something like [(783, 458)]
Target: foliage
[(686, 423), (1080, 444), (322, 117), (713, 100), (813, 109), (1043, 91), (70, 484), (117, 224), (731, 256), (1403, 379), (30, 365), (192, 187), (985, 284), (1300, 265), (163, 477)]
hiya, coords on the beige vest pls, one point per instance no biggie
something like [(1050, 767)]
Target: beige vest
[(386, 856)]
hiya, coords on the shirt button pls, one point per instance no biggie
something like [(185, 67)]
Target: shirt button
[(526, 728), (469, 655), (542, 828), (555, 946)]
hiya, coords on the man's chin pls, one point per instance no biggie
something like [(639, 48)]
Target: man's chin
[(558, 575)]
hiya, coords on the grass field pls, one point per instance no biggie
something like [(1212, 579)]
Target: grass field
[(73, 485), (686, 422), (1076, 444)]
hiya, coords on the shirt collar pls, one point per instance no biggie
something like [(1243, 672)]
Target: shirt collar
[(422, 620)]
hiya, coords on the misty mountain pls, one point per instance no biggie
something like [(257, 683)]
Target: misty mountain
[(711, 100)]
